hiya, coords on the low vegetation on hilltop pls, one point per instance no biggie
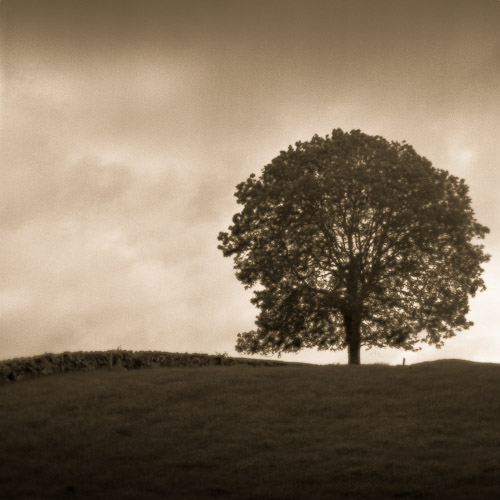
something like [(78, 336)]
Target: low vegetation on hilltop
[(48, 364)]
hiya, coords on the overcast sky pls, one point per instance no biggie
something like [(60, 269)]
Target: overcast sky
[(127, 125)]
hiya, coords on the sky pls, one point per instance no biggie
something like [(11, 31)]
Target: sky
[(126, 125)]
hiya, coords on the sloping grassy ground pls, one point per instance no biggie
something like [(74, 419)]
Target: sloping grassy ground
[(239, 432)]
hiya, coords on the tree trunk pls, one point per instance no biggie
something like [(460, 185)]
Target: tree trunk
[(352, 323)]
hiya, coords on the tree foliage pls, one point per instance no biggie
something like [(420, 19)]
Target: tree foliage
[(352, 240)]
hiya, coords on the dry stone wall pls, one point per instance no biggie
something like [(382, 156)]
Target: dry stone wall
[(47, 364)]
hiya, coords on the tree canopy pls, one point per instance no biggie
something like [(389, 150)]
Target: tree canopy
[(351, 240)]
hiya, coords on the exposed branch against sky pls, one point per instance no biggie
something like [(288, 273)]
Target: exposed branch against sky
[(127, 124)]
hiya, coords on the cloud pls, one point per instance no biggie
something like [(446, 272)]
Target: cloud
[(107, 260), (125, 132), (99, 252)]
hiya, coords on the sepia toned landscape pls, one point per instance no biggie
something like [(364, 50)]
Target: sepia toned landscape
[(249, 249)]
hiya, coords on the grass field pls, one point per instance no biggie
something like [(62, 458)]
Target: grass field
[(309, 432)]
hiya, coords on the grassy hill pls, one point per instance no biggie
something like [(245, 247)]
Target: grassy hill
[(451, 362), (247, 432)]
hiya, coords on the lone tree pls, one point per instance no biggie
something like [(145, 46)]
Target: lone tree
[(354, 241)]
